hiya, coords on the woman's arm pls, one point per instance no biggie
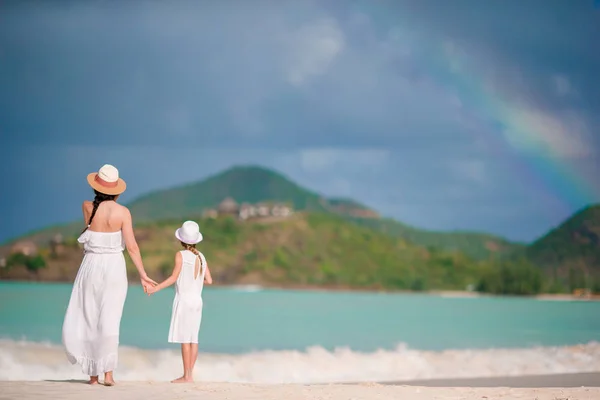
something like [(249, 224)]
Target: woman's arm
[(132, 247), (171, 279), (86, 212)]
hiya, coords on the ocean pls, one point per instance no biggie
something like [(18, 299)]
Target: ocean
[(250, 334)]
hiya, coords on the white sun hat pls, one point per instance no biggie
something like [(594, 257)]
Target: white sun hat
[(107, 180), (189, 233)]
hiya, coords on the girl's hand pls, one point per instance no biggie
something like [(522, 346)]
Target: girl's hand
[(147, 282), (151, 290)]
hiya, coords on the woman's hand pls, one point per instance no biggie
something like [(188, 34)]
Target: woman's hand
[(147, 283)]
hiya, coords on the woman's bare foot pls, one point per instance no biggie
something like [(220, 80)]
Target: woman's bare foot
[(93, 380), (108, 379), (183, 379)]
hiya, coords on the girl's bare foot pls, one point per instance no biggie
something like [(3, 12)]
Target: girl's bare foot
[(183, 379), (93, 380)]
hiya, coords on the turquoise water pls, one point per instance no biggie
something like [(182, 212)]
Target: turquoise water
[(238, 321)]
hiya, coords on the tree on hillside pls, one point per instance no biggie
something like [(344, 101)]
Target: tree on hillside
[(517, 277)]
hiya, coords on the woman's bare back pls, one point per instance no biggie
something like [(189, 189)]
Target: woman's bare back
[(109, 216)]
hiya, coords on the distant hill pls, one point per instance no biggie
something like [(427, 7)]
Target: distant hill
[(254, 184), (571, 250), (249, 184), (474, 244), (304, 250)]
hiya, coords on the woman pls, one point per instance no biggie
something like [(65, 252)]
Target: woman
[(91, 326)]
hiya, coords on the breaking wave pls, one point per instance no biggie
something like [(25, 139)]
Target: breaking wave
[(21, 360)]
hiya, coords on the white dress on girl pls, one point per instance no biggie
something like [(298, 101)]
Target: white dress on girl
[(187, 305)]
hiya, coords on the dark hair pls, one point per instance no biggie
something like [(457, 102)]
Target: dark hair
[(193, 249), (190, 247), (99, 198)]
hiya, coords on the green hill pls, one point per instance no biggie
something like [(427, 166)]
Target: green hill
[(253, 184), (474, 244), (315, 249), (570, 253), (249, 184)]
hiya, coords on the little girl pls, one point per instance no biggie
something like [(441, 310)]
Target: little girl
[(189, 274)]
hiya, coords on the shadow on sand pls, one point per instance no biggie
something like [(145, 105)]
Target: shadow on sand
[(80, 381)]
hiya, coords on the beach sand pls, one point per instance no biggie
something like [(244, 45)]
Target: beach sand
[(534, 388)]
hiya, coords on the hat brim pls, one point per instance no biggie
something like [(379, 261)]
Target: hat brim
[(112, 191), (196, 240)]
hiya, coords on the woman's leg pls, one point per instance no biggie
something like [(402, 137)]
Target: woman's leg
[(93, 380), (185, 355)]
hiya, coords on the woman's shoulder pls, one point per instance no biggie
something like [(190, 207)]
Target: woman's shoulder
[(123, 210), (87, 206)]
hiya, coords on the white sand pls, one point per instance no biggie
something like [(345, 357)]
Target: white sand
[(230, 391)]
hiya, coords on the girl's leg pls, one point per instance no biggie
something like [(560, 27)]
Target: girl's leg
[(185, 355), (193, 358), (93, 380), (108, 379)]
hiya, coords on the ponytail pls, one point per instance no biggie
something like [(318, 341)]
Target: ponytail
[(193, 249)]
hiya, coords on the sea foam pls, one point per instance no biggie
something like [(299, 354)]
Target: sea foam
[(22, 360)]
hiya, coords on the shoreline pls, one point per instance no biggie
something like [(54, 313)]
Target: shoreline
[(458, 294), (562, 380), (549, 387)]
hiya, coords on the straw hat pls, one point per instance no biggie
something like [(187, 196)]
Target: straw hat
[(189, 233), (107, 180)]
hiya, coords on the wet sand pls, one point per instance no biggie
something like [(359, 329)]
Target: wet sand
[(591, 379)]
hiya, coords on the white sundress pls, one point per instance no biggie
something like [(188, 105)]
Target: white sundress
[(91, 326), (187, 304)]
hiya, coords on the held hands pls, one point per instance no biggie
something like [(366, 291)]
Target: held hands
[(151, 290), (147, 283)]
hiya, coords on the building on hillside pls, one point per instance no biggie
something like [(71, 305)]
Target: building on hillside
[(210, 213), (228, 206), (281, 210), (57, 247), (264, 210), (247, 210), (25, 247)]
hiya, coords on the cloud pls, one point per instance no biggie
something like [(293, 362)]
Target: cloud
[(473, 170), (310, 75), (313, 48), (322, 159), (562, 85), (424, 109)]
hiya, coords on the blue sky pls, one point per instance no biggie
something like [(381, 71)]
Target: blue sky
[(372, 102)]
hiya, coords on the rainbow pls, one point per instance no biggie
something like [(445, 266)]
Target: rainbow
[(506, 126), (511, 129)]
